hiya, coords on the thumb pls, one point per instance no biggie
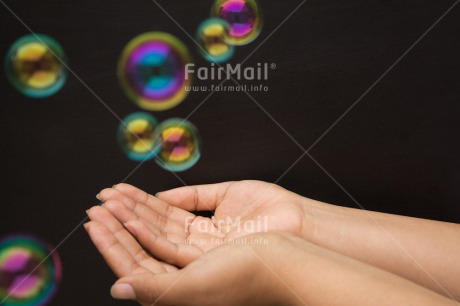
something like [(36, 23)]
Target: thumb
[(150, 288), (195, 198)]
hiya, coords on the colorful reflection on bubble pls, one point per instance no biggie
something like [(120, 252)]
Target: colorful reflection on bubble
[(27, 276), (212, 35), (180, 145), (34, 66), (244, 17), (152, 71), (136, 136)]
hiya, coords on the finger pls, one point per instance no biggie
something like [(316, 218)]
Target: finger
[(161, 207), (196, 198), (123, 214), (116, 256), (103, 216), (180, 254), (113, 194), (149, 289), (156, 223)]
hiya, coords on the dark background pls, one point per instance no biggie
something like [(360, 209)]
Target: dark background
[(396, 152)]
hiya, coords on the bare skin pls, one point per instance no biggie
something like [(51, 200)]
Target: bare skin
[(421, 251), (175, 235), (253, 271)]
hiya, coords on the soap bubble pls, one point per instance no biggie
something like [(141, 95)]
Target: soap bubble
[(136, 136), (28, 275), (180, 145), (244, 17), (152, 71), (34, 66), (212, 35)]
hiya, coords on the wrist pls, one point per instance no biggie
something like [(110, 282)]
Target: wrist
[(321, 221), (334, 227), (270, 262), (283, 260)]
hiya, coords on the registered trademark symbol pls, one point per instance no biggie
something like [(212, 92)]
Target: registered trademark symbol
[(273, 66)]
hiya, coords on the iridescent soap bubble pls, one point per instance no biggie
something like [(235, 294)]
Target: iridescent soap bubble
[(244, 17), (212, 35), (136, 136), (180, 144), (152, 71), (34, 66), (28, 275)]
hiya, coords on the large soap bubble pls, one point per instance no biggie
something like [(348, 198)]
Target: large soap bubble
[(135, 136), (180, 144), (34, 65), (29, 274), (244, 16), (212, 35), (152, 71)]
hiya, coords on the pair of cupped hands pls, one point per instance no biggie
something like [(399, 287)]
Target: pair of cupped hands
[(164, 254)]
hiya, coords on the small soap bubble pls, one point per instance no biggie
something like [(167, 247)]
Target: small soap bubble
[(180, 145), (34, 66), (136, 136), (151, 71), (212, 35), (28, 274), (244, 16)]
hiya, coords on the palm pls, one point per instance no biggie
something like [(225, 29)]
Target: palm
[(259, 207), (164, 226)]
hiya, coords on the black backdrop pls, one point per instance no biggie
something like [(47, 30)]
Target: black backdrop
[(396, 151)]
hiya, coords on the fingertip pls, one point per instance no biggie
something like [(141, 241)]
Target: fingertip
[(133, 225), (86, 226), (166, 194), (130, 228), (105, 193), (123, 291), (130, 190), (122, 187), (95, 212), (90, 211), (179, 197)]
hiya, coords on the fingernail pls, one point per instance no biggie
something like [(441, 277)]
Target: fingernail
[(85, 225), (157, 194), (130, 228), (123, 292), (87, 212), (98, 197), (114, 186)]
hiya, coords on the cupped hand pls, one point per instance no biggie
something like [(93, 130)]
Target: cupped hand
[(165, 227), (234, 274)]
